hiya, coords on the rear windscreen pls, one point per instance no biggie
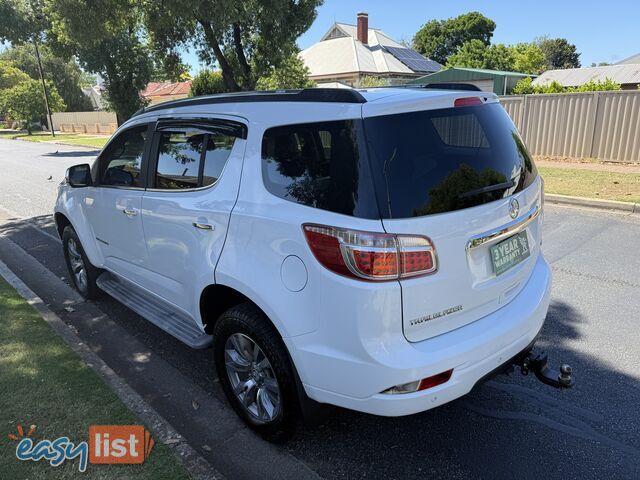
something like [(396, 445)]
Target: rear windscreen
[(437, 161)]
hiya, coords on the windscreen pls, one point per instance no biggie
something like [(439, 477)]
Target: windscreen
[(437, 161)]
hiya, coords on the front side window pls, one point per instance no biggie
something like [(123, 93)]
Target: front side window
[(121, 162), (191, 159), (319, 165)]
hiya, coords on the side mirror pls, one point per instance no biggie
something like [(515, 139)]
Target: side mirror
[(79, 175)]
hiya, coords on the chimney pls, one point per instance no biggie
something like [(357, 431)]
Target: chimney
[(363, 27)]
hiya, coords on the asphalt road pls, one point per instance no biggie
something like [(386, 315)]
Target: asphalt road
[(510, 427)]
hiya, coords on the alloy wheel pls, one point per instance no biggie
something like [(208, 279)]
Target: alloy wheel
[(252, 378), (78, 268)]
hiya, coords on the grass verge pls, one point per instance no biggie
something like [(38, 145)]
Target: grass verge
[(43, 382), (97, 141), (624, 187)]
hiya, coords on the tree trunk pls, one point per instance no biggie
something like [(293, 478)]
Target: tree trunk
[(242, 59), (227, 72)]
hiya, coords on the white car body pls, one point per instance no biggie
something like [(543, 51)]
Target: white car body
[(349, 340)]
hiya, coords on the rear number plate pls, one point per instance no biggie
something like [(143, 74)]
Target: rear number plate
[(509, 252)]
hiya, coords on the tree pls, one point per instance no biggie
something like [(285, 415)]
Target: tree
[(109, 40), (475, 54), (245, 40), (292, 73), (559, 53), (206, 82), (528, 58), (23, 102), (439, 39), (65, 74), (19, 21), (10, 75)]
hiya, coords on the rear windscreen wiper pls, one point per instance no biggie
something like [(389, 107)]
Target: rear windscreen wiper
[(490, 188)]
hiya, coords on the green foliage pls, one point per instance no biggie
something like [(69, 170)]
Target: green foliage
[(245, 40), (10, 75), (64, 73), (21, 20), (475, 54), (525, 87), (599, 86), (528, 58), (206, 82), (558, 53), (439, 39), (25, 103), (109, 40), (370, 81), (292, 73)]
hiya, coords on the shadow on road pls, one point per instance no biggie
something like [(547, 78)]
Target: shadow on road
[(77, 153)]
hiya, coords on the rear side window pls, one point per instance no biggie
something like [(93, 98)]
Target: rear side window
[(121, 162), (320, 165), (191, 159), (437, 161)]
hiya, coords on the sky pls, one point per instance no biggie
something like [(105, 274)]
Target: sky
[(603, 31)]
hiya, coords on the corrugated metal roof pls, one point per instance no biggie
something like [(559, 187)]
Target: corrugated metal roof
[(632, 59), (572, 77), (462, 74)]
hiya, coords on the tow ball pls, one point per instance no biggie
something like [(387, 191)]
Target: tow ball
[(538, 363)]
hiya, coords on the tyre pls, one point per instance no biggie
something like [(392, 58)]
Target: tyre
[(82, 273), (255, 372)]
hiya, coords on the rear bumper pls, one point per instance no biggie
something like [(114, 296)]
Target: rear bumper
[(473, 351)]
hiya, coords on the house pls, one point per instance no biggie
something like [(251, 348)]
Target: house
[(626, 74), (157, 92), (95, 96), (347, 53), (498, 82)]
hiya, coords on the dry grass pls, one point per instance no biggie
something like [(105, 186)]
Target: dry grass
[(624, 187)]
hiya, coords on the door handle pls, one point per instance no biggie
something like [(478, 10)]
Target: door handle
[(129, 212), (203, 226)]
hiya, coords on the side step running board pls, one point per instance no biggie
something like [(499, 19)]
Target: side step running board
[(172, 321)]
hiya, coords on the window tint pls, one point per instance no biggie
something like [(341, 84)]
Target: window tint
[(121, 162), (179, 160), (181, 155), (442, 160), (319, 165), (217, 152)]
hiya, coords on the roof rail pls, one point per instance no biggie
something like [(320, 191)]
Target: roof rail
[(335, 95)]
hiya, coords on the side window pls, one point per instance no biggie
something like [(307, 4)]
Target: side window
[(218, 150), (179, 160), (315, 164), (121, 162), (191, 159)]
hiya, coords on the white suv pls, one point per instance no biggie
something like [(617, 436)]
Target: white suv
[(377, 249)]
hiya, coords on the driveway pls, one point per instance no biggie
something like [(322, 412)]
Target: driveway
[(510, 427)]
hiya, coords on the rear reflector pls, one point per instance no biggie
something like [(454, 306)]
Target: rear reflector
[(371, 255), (467, 101), (418, 385), (435, 380)]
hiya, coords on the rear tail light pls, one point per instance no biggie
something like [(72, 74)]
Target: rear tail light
[(467, 101), (418, 385), (369, 255)]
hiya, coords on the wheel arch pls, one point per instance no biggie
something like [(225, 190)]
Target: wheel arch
[(217, 298)]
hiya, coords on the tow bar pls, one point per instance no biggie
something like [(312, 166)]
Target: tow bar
[(538, 363)]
